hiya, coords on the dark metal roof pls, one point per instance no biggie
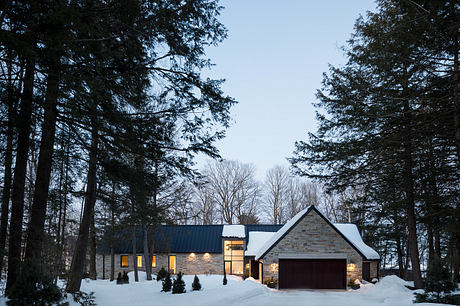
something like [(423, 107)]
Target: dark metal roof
[(180, 239), (171, 239)]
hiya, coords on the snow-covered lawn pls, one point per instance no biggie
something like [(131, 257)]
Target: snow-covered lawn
[(389, 291)]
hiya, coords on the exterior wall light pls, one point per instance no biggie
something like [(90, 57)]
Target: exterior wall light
[(351, 267), (274, 267)]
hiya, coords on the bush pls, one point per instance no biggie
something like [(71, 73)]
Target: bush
[(179, 284), (196, 286), (119, 279), (224, 282), (34, 287), (161, 274), (438, 285), (125, 278), (167, 284), (85, 299), (271, 282), (354, 284)]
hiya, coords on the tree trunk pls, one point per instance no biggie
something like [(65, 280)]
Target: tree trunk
[(457, 104), (79, 256), (35, 230), (147, 257), (457, 259), (133, 241), (6, 192), (92, 249), (400, 256), (17, 195)]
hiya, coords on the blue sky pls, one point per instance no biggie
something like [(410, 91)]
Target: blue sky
[(273, 61)]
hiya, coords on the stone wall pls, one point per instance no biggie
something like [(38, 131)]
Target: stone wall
[(187, 263), (374, 266), (312, 235)]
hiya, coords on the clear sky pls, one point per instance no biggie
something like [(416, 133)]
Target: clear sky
[(273, 61)]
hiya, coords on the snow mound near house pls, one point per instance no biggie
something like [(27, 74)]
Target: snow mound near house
[(389, 290), (256, 241), (351, 231), (234, 231)]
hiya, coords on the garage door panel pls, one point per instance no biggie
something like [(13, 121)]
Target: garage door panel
[(312, 273)]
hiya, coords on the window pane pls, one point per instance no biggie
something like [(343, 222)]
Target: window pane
[(154, 261), (227, 267), (172, 264), (237, 267), (139, 261), (124, 261)]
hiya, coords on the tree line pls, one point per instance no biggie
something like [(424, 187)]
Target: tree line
[(389, 132), (99, 99)]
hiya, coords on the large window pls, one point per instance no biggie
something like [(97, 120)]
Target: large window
[(233, 256), (124, 261), (139, 261), (172, 264), (154, 261)]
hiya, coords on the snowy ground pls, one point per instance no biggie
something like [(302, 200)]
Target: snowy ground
[(390, 291)]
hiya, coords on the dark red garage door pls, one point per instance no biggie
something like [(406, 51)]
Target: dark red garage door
[(312, 273)]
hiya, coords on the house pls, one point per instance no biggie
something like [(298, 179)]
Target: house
[(307, 252)]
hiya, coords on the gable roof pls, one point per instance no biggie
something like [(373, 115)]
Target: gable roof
[(297, 218), (351, 231)]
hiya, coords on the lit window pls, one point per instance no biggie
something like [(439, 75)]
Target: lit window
[(233, 256), (172, 264), (139, 261), (124, 261), (154, 261)]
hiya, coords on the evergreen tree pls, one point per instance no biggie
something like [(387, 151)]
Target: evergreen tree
[(179, 284), (167, 283), (161, 274), (196, 284)]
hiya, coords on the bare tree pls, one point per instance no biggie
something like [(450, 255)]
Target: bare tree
[(233, 187), (276, 185), (204, 206)]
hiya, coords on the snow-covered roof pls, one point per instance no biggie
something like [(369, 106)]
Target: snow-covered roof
[(351, 231), (233, 230), (267, 245), (256, 241)]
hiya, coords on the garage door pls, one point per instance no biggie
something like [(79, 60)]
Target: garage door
[(312, 273)]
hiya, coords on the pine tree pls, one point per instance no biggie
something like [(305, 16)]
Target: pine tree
[(167, 283), (179, 284), (161, 274), (196, 284)]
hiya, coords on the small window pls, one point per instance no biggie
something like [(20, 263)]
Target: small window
[(172, 264), (154, 261), (139, 261), (124, 261)]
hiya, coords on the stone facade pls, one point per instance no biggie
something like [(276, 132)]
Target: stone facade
[(188, 263), (374, 265), (313, 235)]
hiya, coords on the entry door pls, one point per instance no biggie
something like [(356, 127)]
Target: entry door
[(367, 271), (312, 273)]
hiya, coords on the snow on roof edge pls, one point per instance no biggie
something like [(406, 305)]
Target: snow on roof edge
[(234, 230)]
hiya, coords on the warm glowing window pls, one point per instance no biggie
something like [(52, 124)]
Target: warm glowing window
[(124, 261), (233, 256), (172, 264), (139, 261), (154, 261)]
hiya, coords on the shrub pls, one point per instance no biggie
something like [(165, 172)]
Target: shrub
[(179, 284), (224, 282), (84, 299), (34, 287), (119, 279), (125, 278), (438, 285), (167, 284), (354, 284), (161, 274), (271, 282), (196, 284)]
